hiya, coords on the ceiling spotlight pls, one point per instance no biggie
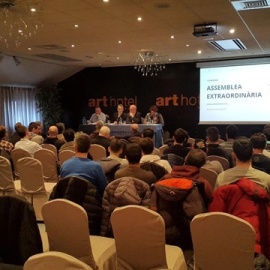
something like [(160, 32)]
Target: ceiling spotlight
[(199, 52), (119, 41), (16, 60), (33, 10), (139, 19), (232, 31), (172, 37)]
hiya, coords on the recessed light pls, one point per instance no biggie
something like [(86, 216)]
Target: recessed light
[(170, 59), (76, 25), (20, 31), (139, 19), (105, 1), (119, 41), (72, 46), (172, 37), (187, 45), (117, 58), (232, 31), (199, 52), (33, 10), (29, 49)]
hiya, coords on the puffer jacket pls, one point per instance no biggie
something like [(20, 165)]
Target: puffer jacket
[(120, 192), (249, 201), (84, 193), (178, 200)]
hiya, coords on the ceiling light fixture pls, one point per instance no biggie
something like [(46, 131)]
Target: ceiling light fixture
[(139, 19), (18, 21), (149, 63)]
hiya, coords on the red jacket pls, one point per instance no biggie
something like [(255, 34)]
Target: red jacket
[(249, 201)]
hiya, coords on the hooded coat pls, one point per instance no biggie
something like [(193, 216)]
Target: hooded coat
[(249, 201)]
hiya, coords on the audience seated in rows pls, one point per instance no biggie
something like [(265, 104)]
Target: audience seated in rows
[(103, 138), (149, 133), (180, 137), (195, 159), (83, 167), (15, 137), (242, 153), (25, 143), (147, 147), (134, 155), (34, 133), (69, 135), (231, 135), (260, 161), (4, 144), (52, 138), (209, 164)]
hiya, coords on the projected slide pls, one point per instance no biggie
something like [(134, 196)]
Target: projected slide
[(237, 94)]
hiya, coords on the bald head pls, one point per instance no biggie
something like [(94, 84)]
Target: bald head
[(104, 131), (135, 127), (53, 131), (133, 109)]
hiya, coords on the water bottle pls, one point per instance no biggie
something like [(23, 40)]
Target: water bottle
[(84, 120)]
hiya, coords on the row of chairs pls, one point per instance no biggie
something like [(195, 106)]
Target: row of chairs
[(139, 239)]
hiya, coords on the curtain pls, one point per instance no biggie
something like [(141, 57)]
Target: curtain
[(18, 104)]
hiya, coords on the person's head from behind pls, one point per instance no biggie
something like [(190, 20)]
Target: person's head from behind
[(60, 127), (19, 124), (81, 143), (99, 125), (69, 134), (231, 131), (134, 127), (147, 146), (22, 131), (34, 127), (212, 134), (180, 136), (133, 153), (104, 132), (3, 132), (53, 131), (196, 158), (148, 133), (258, 141), (116, 147), (242, 149)]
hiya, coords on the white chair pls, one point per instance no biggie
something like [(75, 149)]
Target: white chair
[(69, 233), (33, 187), (16, 154), (209, 175), (65, 155), (162, 148), (7, 184), (49, 147), (223, 161), (53, 260), (48, 160), (97, 151), (140, 240), (222, 241)]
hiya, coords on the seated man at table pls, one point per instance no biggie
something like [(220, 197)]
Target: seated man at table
[(134, 116), (83, 167), (153, 117), (98, 115), (119, 117), (133, 155)]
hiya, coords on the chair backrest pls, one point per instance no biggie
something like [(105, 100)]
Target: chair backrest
[(68, 233), (50, 147), (157, 170), (222, 241), (16, 154), (173, 159), (139, 237), (31, 175), (97, 151), (6, 177), (223, 161), (65, 155), (209, 175), (48, 160), (162, 148), (54, 260)]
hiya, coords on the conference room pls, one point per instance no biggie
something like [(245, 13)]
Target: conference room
[(201, 64)]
